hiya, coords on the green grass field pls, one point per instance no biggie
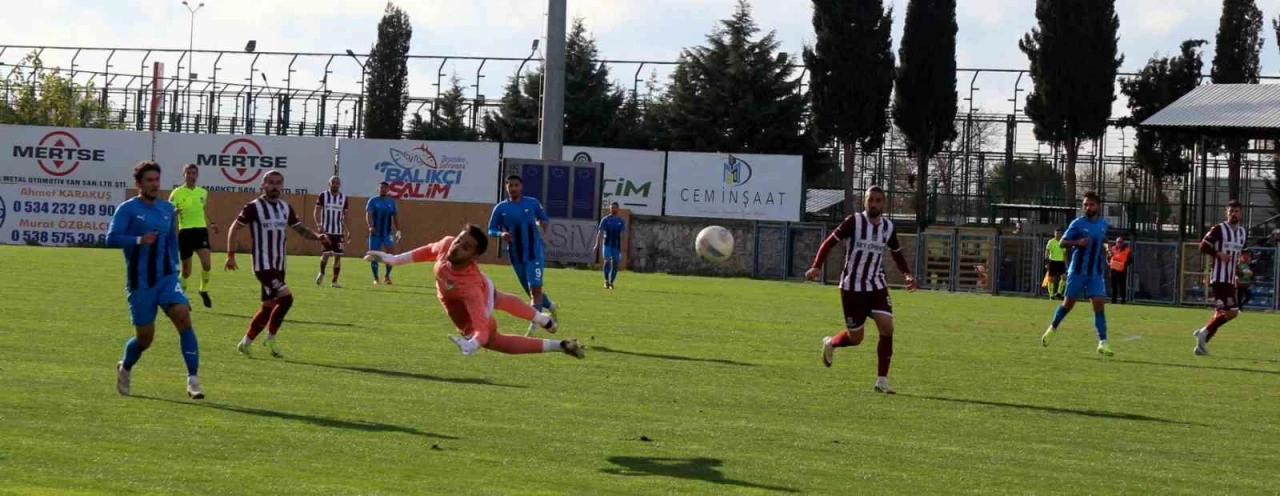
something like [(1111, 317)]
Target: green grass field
[(690, 385)]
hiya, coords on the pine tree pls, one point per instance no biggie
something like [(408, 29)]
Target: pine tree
[(924, 105), (387, 84), (1074, 58), (851, 77), (1026, 181), (1162, 155), (1235, 61), (450, 121)]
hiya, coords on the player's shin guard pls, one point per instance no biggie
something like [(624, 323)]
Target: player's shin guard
[(190, 350), (884, 353), (1100, 323), (132, 353), (1059, 314), (283, 304)]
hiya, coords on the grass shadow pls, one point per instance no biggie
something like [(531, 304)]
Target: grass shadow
[(703, 469), (1199, 367), (357, 425), (475, 381), (1053, 409), (677, 358), (287, 320)]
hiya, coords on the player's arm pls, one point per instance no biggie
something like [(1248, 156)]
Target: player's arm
[(247, 214), (1212, 237), (302, 229), (368, 215), (346, 229), (540, 214), (213, 226), (172, 238), (599, 230), (1075, 236), (395, 220), (895, 251), (495, 224), (118, 231), (428, 253), (841, 233), (316, 211)]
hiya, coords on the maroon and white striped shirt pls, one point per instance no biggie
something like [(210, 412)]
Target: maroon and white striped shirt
[(267, 222), (864, 251), (1230, 240), (333, 211)]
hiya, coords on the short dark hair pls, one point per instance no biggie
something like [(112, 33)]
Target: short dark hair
[(1091, 195), (614, 204), (1234, 203), (381, 183), (482, 238), (189, 167), (516, 178), (273, 173), (143, 168), (875, 189)]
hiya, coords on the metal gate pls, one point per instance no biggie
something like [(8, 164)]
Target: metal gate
[(975, 253), (937, 261), (1021, 266), (1153, 276), (1265, 273)]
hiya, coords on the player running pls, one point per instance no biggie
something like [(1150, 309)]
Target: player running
[(330, 215), (611, 227), (1087, 275), (193, 228), (520, 221), (469, 297), (143, 227), (863, 289), (267, 217), (380, 215), (1055, 255), (1223, 243)]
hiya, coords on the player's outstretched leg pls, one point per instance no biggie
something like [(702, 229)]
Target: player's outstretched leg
[(259, 322), (1059, 314), (884, 353), (841, 339), (1100, 323), (180, 315), (324, 265), (283, 304), (516, 307), (133, 349)]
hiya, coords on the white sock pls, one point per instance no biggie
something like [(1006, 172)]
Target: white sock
[(246, 340), (271, 337), (550, 345), (541, 319), (1102, 341)]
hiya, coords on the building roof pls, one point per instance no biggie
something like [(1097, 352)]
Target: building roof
[(818, 199), (1242, 110)]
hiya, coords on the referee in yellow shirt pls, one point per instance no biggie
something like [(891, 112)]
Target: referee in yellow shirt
[(193, 228), (1056, 263)]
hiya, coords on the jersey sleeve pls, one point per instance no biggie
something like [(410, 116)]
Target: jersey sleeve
[(346, 202), (368, 206), (118, 231), (248, 214), (495, 226), (1214, 235), (540, 213), (1074, 231), (602, 224), (844, 230), (893, 244), (293, 215), (319, 200)]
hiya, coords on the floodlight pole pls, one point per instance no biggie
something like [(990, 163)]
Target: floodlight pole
[(552, 136)]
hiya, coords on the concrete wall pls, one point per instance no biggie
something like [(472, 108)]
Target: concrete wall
[(665, 244)]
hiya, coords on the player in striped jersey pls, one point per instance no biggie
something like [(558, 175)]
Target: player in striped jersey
[(143, 227), (330, 215), (267, 218), (863, 290), (1223, 243), (1087, 275)]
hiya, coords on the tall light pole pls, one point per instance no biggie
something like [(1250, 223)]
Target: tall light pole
[(361, 99), (553, 84), (191, 37)]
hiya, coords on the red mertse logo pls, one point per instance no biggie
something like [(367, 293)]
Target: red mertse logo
[(59, 153), (242, 161)]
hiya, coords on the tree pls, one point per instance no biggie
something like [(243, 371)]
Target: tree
[(1235, 61), (449, 120), (1162, 155), (37, 96), (924, 106), (387, 83), (1026, 181), (1074, 58), (591, 101), (736, 94), (851, 77)]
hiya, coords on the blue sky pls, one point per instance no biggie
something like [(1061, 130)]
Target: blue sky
[(625, 29)]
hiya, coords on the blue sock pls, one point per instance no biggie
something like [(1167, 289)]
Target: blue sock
[(613, 271), (606, 273), (546, 301), (374, 265), (190, 350), (1100, 322), (132, 352), (1058, 315), (388, 272)]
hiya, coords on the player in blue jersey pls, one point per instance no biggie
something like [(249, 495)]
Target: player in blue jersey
[(384, 227), (145, 228), (520, 221), (1087, 274), (611, 228)]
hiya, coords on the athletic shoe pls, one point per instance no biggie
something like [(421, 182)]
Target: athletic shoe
[(553, 309), (882, 386), (1201, 348), (387, 280), (468, 346), (551, 325), (193, 388), (319, 278), (244, 348), (275, 348), (1104, 349), (375, 281), (204, 298), (335, 285), (123, 378), (828, 351), (573, 349), (1047, 336)]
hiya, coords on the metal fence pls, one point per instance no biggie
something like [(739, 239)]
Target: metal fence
[(985, 261)]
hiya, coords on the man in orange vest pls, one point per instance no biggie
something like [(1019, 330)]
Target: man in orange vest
[(1120, 259)]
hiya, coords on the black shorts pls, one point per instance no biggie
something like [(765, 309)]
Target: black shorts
[(1224, 296), (192, 239), (333, 245), (1057, 268), (272, 282), (858, 305)]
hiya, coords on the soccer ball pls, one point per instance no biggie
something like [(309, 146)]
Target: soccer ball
[(714, 244)]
